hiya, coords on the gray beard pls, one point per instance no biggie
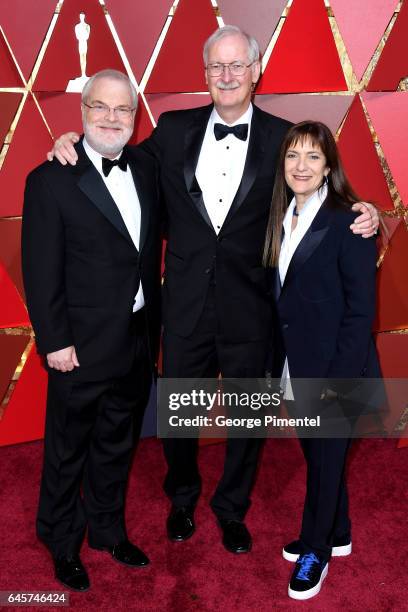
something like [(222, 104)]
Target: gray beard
[(103, 148)]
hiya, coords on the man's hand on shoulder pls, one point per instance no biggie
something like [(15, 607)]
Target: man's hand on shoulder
[(63, 149), (367, 223), (64, 360)]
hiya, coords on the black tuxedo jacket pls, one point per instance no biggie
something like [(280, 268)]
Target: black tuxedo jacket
[(326, 306), (81, 268), (195, 254)]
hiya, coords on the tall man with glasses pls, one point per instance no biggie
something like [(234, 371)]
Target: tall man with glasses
[(217, 166), (92, 277)]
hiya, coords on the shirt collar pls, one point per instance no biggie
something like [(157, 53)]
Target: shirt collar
[(94, 156), (309, 209), (314, 202), (245, 118)]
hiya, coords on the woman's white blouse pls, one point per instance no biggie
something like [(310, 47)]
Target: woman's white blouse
[(290, 243)]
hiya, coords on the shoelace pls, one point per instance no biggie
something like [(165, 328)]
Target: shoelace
[(306, 565)]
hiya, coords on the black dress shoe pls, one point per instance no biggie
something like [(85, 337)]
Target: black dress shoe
[(126, 553), (236, 537), (180, 523), (71, 573)]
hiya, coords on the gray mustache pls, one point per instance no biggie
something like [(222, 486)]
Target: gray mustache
[(227, 85)]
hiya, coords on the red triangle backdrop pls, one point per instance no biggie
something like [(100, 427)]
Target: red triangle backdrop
[(393, 350), (138, 25), (392, 297), (28, 148), (12, 310), (259, 17), (393, 63), (179, 66), (349, 15), (305, 59), (8, 107), (24, 416), (160, 103), (307, 62), (360, 159), (9, 76), (389, 114), (25, 24), (10, 251), (11, 349), (143, 123), (299, 107), (62, 111)]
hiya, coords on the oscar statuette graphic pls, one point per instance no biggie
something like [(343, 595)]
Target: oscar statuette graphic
[(82, 33)]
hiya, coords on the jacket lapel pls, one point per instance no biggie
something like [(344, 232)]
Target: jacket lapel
[(310, 241), (258, 138), (91, 184), (144, 192), (276, 286), (192, 146)]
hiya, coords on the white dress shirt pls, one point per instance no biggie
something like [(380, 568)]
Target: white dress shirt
[(220, 167), (123, 191), (290, 243)]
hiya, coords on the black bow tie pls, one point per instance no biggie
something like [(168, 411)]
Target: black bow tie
[(240, 131), (107, 164)]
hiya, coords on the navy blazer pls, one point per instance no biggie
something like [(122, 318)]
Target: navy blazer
[(325, 308)]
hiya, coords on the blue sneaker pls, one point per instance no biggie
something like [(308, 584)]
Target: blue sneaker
[(308, 576)]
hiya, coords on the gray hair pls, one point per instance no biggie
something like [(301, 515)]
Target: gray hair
[(231, 30), (109, 73)]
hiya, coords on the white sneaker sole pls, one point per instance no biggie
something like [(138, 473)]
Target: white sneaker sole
[(289, 556), (302, 595), (342, 551), (337, 551)]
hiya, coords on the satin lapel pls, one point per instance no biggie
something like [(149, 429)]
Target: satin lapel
[(309, 243), (276, 287), (91, 184), (256, 149), (192, 146), (143, 188)]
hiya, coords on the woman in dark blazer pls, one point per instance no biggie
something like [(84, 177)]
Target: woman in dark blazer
[(324, 290)]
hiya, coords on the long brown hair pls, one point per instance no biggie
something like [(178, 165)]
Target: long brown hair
[(338, 186)]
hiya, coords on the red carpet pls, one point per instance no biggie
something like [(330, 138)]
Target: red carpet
[(199, 575)]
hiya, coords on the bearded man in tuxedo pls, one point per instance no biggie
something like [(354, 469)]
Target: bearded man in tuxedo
[(91, 270)]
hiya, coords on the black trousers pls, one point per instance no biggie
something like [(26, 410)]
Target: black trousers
[(325, 512), (205, 355), (91, 430)]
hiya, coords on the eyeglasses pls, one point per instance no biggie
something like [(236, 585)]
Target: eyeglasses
[(103, 109), (236, 68)]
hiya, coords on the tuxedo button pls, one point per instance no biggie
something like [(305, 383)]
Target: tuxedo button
[(208, 270), (285, 326)]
